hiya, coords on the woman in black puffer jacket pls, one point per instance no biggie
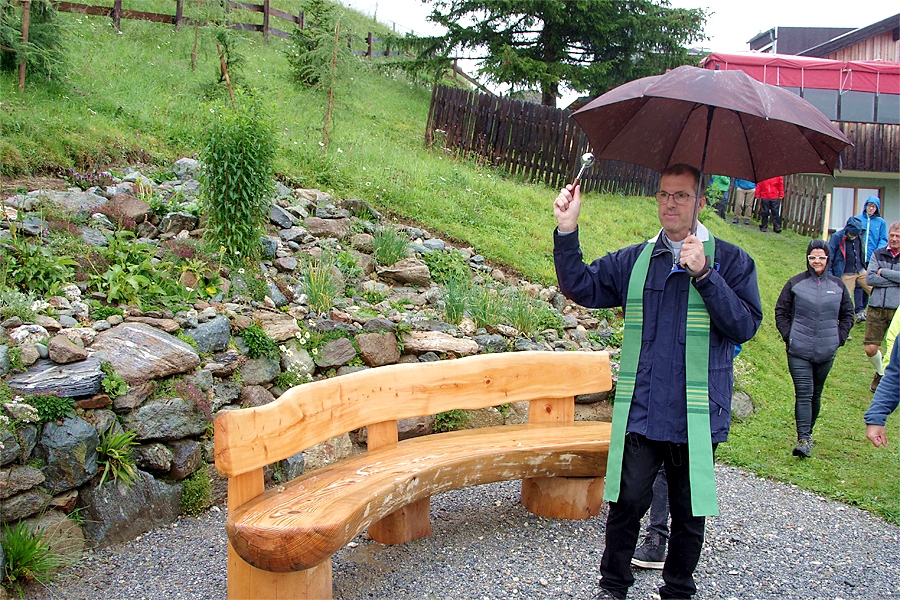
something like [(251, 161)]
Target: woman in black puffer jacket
[(814, 315)]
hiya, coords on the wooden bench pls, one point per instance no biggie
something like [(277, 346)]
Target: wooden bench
[(281, 541)]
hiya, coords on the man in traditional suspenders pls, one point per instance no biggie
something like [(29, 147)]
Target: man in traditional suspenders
[(683, 316)]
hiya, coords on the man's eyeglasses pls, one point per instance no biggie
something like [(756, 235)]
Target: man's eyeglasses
[(679, 197), (812, 257)]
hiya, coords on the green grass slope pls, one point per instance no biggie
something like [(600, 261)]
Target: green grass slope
[(132, 97)]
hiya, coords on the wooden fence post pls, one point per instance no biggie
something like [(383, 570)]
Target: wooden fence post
[(179, 13), (266, 21), (117, 15), (26, 18), (369, 42)]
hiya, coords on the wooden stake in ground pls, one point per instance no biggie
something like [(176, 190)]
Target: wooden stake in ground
[(337, 33), (26, 17), (225, 72), (196, 35)]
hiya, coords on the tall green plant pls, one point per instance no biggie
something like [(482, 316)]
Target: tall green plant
[(237, 177), (28, 556), (44, 53)]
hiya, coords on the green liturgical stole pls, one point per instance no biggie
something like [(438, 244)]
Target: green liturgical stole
[(702, 475)]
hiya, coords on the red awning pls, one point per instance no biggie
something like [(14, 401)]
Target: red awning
[(785, 70)]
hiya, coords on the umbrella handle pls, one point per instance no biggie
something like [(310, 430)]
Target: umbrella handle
[(703, 270)]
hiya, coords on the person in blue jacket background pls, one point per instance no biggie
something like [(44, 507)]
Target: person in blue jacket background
[(873, 236)]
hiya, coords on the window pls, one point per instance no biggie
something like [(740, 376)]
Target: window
[(825, 100), (858, 106), (888, 108)]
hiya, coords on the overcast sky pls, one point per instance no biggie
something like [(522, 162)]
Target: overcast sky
[(731, 24)]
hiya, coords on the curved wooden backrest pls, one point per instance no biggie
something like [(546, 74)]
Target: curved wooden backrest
[(308, 414)]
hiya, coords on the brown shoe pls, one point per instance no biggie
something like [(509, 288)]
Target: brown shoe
[(875, 381)]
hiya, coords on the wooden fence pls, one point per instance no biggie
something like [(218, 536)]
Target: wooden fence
[(117, 13), (803, 209), (535, 142)]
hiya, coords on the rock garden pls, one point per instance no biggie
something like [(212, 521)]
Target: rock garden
[(123, 334)]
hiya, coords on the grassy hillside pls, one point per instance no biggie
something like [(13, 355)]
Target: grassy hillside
[(132, 97)]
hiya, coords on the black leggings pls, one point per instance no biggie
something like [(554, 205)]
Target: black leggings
[(809, 379)]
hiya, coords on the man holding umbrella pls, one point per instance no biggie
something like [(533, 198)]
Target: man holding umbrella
[(684, 314)]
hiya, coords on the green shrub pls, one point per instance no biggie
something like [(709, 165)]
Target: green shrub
[(485, 306), (112, 384), (31, 266), (445, 266), (258, 342), (319, 284), (528, 314), (237, 178), (50, 407), (16, 304), (196, 493), (28, 557), (456, 298), (114, 457), (390, 246), (450, 420), (99, 311)]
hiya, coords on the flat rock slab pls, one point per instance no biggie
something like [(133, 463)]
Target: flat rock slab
[(69, 381)]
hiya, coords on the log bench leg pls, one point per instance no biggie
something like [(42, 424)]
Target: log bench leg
[(246, 582), (406, 524), (563, 497)]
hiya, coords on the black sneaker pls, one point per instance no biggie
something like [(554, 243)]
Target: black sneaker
[(651, 554), (803, 449), (605, 594), (861, 317), (735, 220), (875, 383)]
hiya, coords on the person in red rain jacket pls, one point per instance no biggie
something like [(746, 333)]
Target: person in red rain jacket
[(771, 193)]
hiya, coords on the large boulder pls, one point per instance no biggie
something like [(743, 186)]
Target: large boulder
[(69, 452), (166, 419), (139, 352), (116, 513)]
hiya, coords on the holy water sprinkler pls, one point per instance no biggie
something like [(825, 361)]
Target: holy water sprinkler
[(587, 159)]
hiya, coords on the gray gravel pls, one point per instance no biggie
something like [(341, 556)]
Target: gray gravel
[(772, 540)]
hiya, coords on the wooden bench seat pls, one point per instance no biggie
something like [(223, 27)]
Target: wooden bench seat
[(281, 540)]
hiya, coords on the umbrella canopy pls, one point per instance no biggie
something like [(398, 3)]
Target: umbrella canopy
[(722, 122)]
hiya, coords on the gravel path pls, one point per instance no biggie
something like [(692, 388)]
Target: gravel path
[(772, 540)]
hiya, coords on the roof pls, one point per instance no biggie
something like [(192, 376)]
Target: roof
[(786, 70), (793, 40), (854, 37)]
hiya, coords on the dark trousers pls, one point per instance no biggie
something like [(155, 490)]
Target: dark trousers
[(809, 379), (659, 506), (773, 208), (640, 465)]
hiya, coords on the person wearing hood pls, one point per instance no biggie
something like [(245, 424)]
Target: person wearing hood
[(874, 236), (847, 256), (814, 315), (874, 229)]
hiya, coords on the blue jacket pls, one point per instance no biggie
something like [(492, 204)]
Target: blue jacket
[(743, 184), (838, 244), (874, 228), (887, 395), (659, 405)]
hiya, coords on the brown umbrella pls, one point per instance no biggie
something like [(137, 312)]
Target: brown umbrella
[(722, 122)]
